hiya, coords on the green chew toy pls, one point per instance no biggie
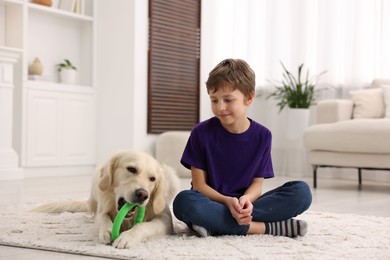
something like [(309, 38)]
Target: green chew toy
[(122, 214)]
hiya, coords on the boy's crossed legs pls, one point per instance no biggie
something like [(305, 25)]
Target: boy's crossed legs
[(272, 212)]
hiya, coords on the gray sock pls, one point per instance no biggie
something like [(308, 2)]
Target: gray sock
[(202, 232), (288, 228)]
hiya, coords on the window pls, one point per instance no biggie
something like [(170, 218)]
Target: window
[(173, 73)]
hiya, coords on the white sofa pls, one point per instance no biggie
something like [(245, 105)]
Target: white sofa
[(169, 149), (352, 133)]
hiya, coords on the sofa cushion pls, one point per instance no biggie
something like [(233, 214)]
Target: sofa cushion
[(386, 95), (344, 159), (359, 136), (369, 103)]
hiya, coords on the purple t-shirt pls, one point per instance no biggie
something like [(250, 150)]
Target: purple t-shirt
[(231, 161)]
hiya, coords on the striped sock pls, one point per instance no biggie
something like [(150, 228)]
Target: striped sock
[(288, 228)]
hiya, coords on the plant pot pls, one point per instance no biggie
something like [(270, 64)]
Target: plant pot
[(297, 121), (68, 76)]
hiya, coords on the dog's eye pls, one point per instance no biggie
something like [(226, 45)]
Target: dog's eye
[(152, 179), (132, 169)]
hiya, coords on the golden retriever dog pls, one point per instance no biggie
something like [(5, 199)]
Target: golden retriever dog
[(134, 177)]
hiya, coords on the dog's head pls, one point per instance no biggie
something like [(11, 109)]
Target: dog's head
[(136, 177)]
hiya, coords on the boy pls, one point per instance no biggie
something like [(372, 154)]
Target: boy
[(229, 156)]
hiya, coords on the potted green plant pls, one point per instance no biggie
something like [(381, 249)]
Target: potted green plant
[(67, 72), (297, 94)]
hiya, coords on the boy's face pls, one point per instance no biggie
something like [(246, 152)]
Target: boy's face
[(230, 107)]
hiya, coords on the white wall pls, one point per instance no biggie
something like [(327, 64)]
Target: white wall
[(122, 31)]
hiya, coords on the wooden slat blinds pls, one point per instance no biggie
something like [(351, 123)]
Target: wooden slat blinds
[(173, 73)]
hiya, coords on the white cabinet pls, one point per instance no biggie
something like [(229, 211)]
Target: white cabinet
[(43, 128), (61, 127), (78, 143), (54, 124)]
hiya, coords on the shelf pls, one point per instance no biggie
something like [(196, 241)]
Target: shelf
[(11, 2), (6, 48), (58, 12), (59, 87)]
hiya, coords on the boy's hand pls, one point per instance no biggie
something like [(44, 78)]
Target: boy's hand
[(241, 209), (246, 210)]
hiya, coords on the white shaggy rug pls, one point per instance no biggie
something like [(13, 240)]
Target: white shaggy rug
[(330, 236)]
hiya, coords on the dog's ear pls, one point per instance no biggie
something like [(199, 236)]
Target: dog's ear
[(172, 182), (166, 188), (159, 202), (107, 173)]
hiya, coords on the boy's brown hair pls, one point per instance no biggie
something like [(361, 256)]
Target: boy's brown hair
[(232, 72)]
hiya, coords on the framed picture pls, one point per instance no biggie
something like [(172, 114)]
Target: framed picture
[(67, 5)]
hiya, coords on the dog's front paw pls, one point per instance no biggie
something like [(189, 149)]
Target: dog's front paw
[(127, 239), (105, 236)]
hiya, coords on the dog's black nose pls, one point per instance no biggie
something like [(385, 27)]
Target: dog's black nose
[(141, 195)]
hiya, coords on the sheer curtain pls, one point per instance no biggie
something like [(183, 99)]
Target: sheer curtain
[(350, 39)]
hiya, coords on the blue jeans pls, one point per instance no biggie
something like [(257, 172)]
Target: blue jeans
[(282, 203)]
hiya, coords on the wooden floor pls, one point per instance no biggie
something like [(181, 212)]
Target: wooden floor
[(339, 196)]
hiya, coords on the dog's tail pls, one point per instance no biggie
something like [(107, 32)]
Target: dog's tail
[(64, 206)]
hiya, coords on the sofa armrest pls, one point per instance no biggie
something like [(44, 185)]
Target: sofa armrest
[(334, 110), (169, 149)]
